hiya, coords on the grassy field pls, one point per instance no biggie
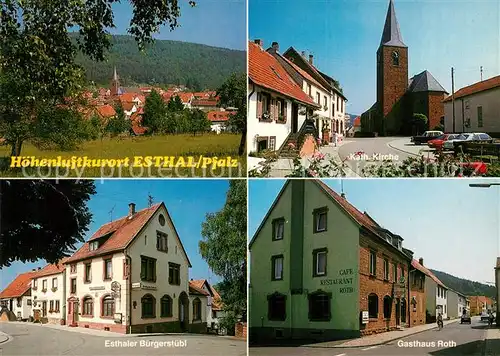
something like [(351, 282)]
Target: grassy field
[(208, 146)]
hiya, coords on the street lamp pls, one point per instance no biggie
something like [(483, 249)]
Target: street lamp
[(488, 185)]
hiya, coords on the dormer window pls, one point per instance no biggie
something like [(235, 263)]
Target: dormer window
[(93, 245), (395, 58)]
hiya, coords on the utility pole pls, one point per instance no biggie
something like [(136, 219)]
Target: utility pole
[(481, 73), (453, 96)]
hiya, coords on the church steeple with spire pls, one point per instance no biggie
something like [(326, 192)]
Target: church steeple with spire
[(392, 69), (115, 84)]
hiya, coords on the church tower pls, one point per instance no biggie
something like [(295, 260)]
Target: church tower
[(392, 67), (115, 84)]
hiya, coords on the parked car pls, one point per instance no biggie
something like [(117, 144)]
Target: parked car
[(485, 316), (437, 143), (477, 137), (465, 318), (426, 137)]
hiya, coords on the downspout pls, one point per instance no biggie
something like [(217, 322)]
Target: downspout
[(248, 101), (129, 280)]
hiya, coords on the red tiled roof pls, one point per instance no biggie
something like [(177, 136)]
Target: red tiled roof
[(415, 264), (128, 97), (167, 96), (20, 285), (204, 102), (185, 97), (106, 111), (357, 122), (195, 289), (216, 116), (122, 233), (476, 88), (128, 105), (265, 71), (139, 130), (303, 73), (52, 268), (217, 301)]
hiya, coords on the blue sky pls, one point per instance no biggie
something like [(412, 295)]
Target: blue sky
[(344, 35), (439, 220), (219, 23), (187, 201)]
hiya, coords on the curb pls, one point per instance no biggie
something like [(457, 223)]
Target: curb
[(401, 150), (376, 344)]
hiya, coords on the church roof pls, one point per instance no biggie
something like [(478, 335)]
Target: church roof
[(392, 34), (425, 82)]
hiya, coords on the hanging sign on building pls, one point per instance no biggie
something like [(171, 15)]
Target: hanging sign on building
[(365, 317)]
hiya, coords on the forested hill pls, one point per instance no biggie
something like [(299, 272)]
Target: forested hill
[(166, 62), (465, 286)]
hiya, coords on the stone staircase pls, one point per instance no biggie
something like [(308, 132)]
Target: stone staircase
[(289, 148)]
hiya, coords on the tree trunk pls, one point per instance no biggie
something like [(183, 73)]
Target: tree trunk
[(241, 149), (17, 145)]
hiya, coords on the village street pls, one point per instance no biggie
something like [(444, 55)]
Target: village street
[(469, 339), (36, 339), (376, 150)]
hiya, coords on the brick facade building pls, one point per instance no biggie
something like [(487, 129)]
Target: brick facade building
[(417, 293), (397, 97)]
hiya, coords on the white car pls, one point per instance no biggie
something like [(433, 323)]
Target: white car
[(466, 137)]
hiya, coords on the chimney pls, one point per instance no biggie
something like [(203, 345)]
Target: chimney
[(260, 43), (342, 195), (311, 57), (131, 209), (276, 47), (421, 261), (33, 270)]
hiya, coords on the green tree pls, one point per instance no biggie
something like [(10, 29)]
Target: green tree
[(117, 126), (224, 249), (37, 53), (154, 112), (29, 230), (198, 121), (233, 93), (175, 104), (420, 122)]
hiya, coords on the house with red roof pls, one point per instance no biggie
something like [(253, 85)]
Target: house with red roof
[(214, 303), (132, 276), (323, 89), (17, 297), (477, 108), (49, 294), (205, 104), (316, 253), (219, 120), (277, 105)]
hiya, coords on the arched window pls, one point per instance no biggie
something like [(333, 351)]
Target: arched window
[(108, 306), (373, 306), (196, 309), (387, 307), (166, 306), (148, 304), (87, 306), (395, 58)]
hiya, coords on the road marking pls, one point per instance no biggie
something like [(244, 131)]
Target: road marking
[(340, 355), (369, 348)]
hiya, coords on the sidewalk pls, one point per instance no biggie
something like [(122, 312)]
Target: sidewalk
[(492, 342), (333, 152), (379, 339), (404, 145), (111, 334)]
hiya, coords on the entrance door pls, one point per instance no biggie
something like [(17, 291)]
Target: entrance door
[(295, 118), (11, 304), (184, 311), (403, 311), (398, 311), (44, 309), (72, 312)]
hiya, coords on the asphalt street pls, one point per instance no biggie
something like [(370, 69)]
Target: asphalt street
[(34, 339), (375, 151), (453, 340)]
